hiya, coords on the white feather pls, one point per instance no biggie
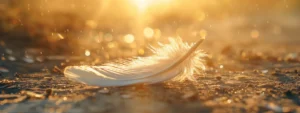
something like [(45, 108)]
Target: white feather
[(177, 61)]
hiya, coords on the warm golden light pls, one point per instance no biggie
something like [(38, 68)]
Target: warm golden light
[(129, 38), (157, 34), (87, 53), (203, 33), (141, 51), (111, 45), (60, 36), (201, 16), (141, 4), (148, 32)]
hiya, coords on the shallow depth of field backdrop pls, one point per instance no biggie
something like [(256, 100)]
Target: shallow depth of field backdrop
[(246, 40)]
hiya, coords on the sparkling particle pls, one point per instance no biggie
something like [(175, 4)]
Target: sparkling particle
[(221, 66), (129, 38), (87, 53), (60, 36), (148, 32), (65, 98), (229, 101)]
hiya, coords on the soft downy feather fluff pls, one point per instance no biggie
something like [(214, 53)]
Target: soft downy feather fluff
[(177, 60)]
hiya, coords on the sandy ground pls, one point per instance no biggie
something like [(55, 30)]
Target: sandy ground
[(225, 91), (238, 85), (243, 75)]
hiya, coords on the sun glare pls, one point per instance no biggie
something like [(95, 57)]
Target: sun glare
[(141, 4)]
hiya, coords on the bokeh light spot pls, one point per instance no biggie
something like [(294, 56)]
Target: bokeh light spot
[(129, 38), (148, 32), (87, 53), (141, 51), (111, 45), (157, 33)]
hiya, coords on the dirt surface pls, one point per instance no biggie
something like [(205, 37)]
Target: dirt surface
[(237, 80), (217, 91)]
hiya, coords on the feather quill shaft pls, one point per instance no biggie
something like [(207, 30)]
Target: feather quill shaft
[(177, 60)]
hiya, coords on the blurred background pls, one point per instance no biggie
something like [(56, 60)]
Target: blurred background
[(56, 32)]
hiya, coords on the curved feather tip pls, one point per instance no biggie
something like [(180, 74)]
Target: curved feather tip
[(177, 60)]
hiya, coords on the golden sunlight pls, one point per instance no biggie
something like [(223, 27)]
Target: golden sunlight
[(148, 32), (141, 4), (87, 53), (129, 38)]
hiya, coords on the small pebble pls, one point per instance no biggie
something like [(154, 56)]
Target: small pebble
[(189, 95), (11, 58), (57, 70), (240, 77), (4, 70), (17, 75), (255, 71), (48, 92), (104, 90), (250, 85), (28, 60), (277, 74), (126, 96), (265, 71), (40, 59), (274, 107), (218, 77)]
